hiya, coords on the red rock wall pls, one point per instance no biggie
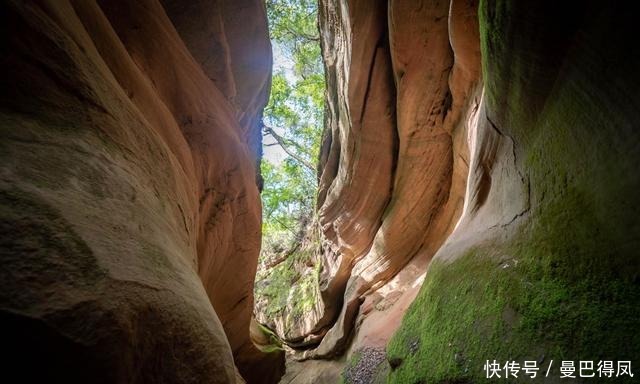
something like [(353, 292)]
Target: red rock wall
[(544, 260), (485, 188), (402, 82), (130, 209)]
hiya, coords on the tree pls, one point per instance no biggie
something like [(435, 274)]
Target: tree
[(292, 121)]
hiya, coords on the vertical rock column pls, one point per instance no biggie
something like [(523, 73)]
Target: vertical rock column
[(403, 85), (129, 196), (544, 261)]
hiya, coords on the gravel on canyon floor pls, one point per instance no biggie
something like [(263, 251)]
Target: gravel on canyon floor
[(364, 365)]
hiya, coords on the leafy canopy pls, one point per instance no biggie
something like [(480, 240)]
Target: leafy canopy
[(293, 121)]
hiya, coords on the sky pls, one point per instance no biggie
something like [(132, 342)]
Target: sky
[(281, 63)]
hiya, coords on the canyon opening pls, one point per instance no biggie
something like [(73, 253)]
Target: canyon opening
[(319, 191)]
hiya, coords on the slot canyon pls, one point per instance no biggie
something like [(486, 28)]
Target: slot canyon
[(478, 194)]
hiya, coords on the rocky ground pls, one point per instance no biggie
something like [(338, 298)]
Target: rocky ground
[(365, 364)]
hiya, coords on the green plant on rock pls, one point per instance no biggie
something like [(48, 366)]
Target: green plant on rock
[(289, 289), (565, 285)]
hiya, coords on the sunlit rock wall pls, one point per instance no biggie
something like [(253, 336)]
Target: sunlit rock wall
[(515, 195), (130, 208), (403, 86)]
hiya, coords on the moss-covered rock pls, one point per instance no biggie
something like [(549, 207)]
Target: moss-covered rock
[(562, 282), (287, 292)]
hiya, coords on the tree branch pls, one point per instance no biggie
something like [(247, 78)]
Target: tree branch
[(283, 144), (283, 257)]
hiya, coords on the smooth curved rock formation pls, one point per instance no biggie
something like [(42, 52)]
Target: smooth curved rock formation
[(478, 190), (401, 92), (544, 260), (130, 209), (489, 150)]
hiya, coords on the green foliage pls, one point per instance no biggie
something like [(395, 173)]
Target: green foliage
[(290, 288), (287, 196), (293, 120), (293, 27), (294, 113)]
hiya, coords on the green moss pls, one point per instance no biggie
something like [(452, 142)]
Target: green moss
[(290, 289), (567, 285), (354, 360), (273, 345), (553, 293)]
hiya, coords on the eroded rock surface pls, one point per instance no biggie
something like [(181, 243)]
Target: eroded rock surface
[(478, 190), (487, 150), (547, 241), (401, 92), (130, 209)]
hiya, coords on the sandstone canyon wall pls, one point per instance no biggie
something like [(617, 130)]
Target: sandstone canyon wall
[(401, 92), (478, 190), (130, 205), (544, 261), (488, 148)]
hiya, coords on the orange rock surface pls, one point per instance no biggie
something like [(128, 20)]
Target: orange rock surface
[(130, 208), (403, 82)]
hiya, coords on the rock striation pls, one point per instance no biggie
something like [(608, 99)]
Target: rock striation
[(476, 183), (130, 207), (543, 261), (403, 86), (477, 191)]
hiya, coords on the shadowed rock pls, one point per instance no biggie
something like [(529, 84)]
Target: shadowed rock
[(130, 210)]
